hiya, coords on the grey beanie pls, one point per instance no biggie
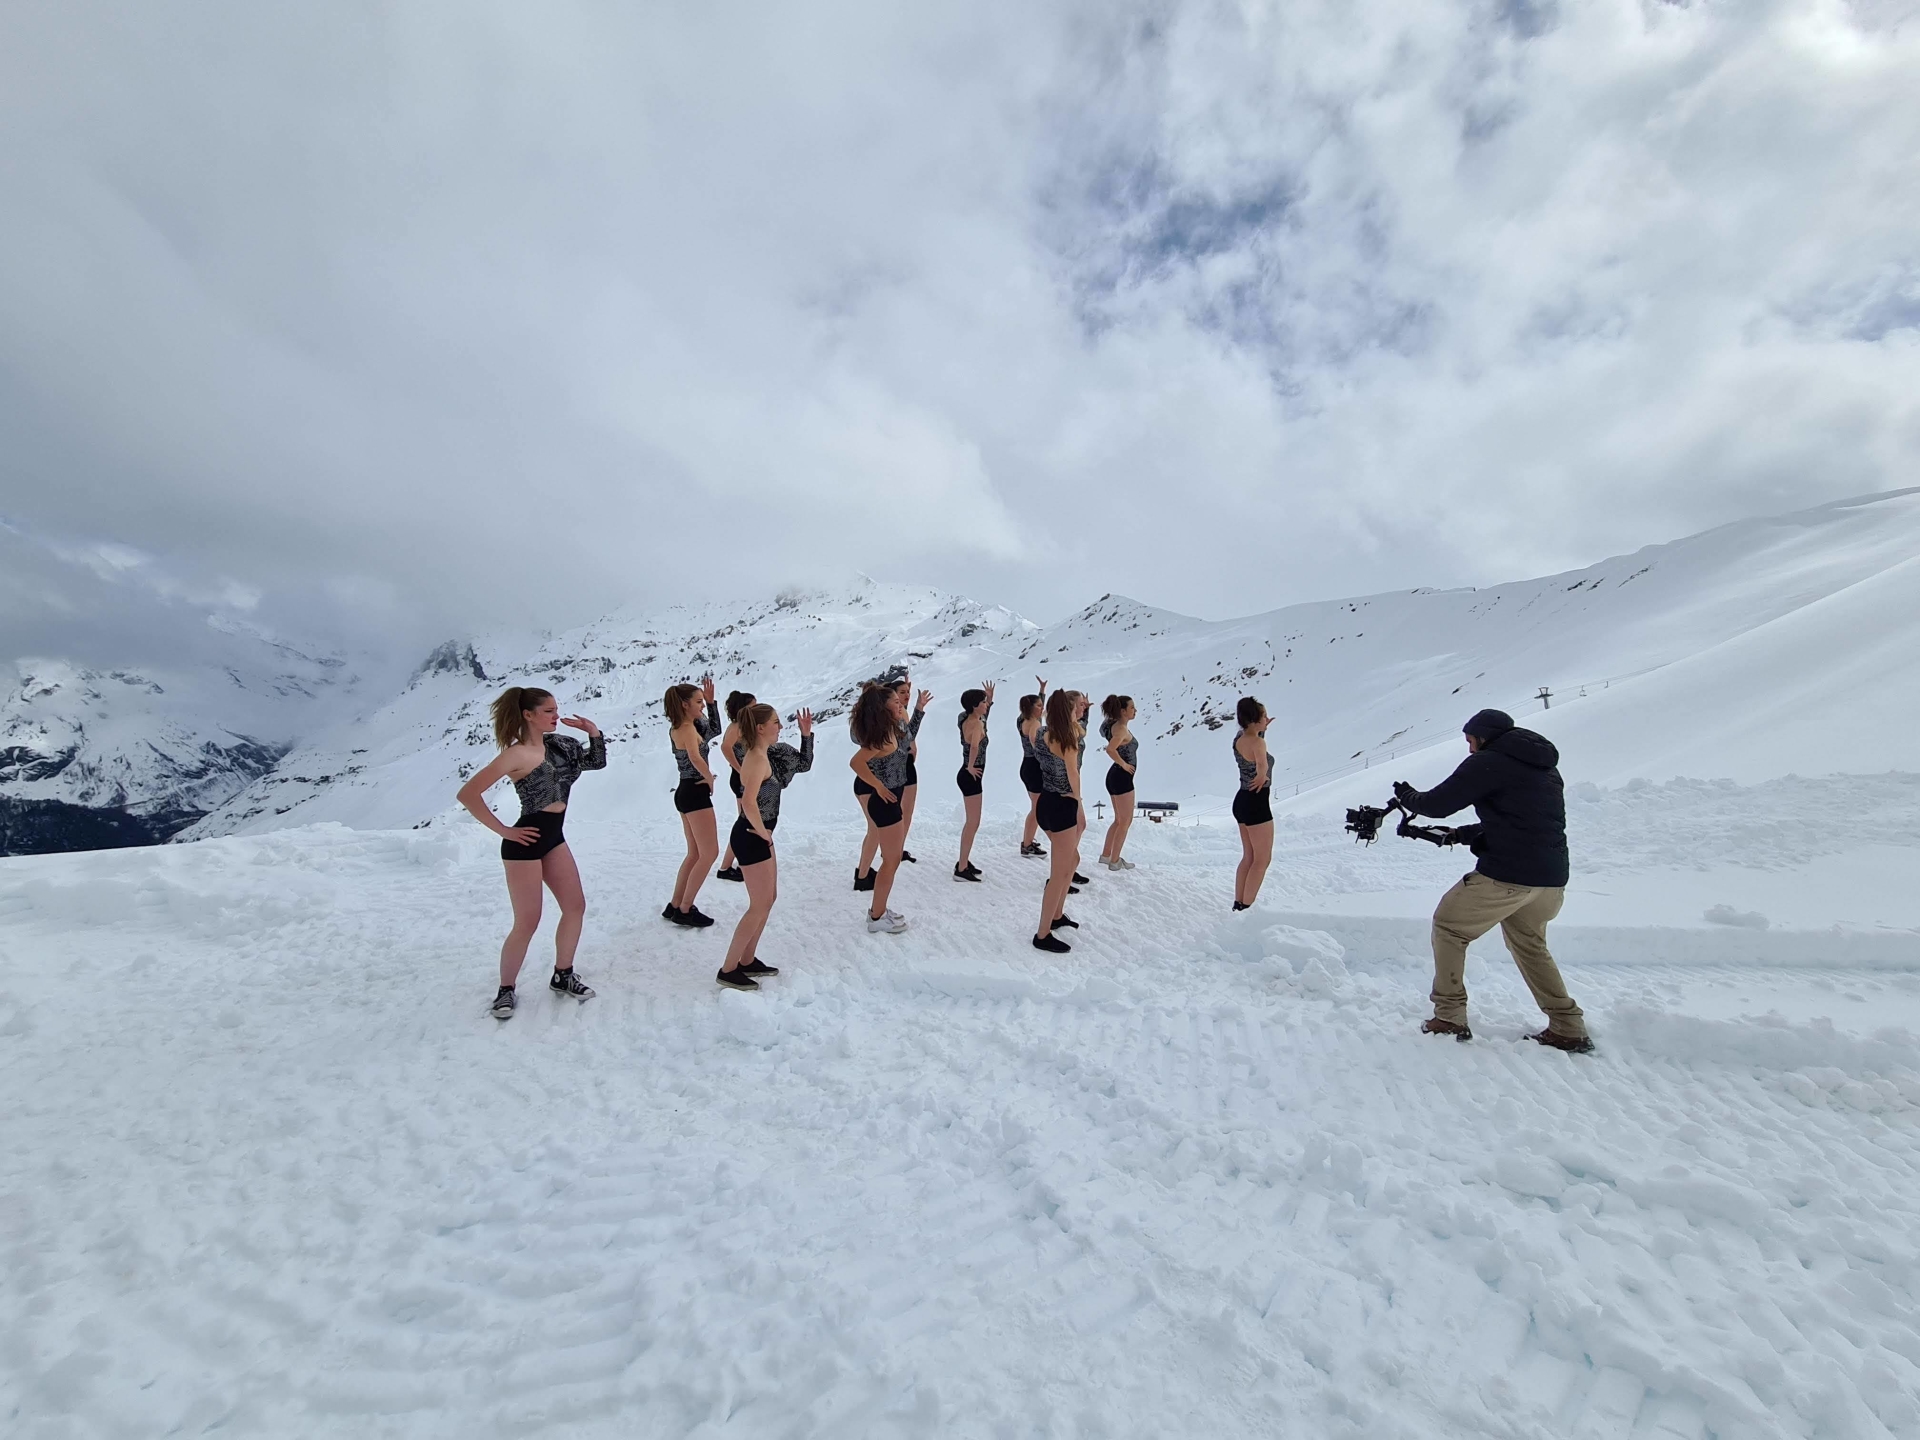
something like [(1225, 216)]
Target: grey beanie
[(1488, 723)]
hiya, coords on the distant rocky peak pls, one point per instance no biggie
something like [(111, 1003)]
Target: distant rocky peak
[(455, 657)]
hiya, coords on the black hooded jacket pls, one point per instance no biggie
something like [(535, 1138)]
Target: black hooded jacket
[(1513, 785)]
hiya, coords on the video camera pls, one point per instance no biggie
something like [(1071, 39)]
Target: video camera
[(1364, 822)]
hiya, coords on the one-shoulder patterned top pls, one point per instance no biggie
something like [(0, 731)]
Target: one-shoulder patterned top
[(967, 757), (708, 728), (1054, 779), (1129, 752), (1249, 771), (552, 779), (785, 763)]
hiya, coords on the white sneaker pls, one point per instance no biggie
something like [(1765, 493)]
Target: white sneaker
[(1120, 865), (887, 924)]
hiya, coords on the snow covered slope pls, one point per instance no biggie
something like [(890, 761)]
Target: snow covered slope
[(400, 766), (92, 758), (1758, 649)]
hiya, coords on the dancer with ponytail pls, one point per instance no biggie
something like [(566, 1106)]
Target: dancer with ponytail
[(542, 767), (730, 751), (1124, 751), (974, 707), (1253, 802), (879, 772), (1057, 751), (693, 721), (1032, 718), (766, 768), (910, 739)]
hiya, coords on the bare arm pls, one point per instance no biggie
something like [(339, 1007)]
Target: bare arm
[(1072, 757), (727, 742), (1266, 765), (473, 795)]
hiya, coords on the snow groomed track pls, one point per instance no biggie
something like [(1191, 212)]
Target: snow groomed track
[(270, 1170)]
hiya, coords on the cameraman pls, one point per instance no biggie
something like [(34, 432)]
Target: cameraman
[(1510, 779)]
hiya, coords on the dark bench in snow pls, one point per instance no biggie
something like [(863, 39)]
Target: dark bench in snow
[(1156, 810)]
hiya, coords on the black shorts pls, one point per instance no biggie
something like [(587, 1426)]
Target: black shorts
[(1253, 807), (913, 775), (968, 783), (885, 814), (693, 796), (748, 847), (551, 824), (733, 783), (1119, 782), (1058, 812), (1030, 775)]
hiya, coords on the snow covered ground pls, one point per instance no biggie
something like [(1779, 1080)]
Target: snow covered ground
[(267, 1168)]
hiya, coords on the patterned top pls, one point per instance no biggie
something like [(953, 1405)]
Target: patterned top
[(550, 781), (708, 728), (1026, 745), (966, 751), (1249, 772), (1054, 779), (785, 763), (912, 731), (1129, 752)]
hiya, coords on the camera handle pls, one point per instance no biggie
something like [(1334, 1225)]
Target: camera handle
[(1441, 835)]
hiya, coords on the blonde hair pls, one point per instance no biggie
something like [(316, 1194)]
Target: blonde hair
[(510, 713), (749, 721)]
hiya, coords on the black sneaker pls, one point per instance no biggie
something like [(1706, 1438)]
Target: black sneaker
[(1080, 879), (1437, 1026), (967, 874), (973, 870), (1073, 889), (694, 919), (1572, 1044), (907, 855), (669, 913), (757, 967), (1065, 920), (863, 882), (1241, 905), (732, 872), (503, 1003), (565, 982), (737, 979), (1052, 943), (1032, 849)]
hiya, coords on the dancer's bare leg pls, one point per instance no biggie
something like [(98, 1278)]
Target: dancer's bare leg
[(524, 882)]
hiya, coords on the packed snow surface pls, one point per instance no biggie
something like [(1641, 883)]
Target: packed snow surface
[(268, 1168)]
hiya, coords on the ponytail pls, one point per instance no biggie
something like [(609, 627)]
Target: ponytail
[(675, 703), (1063, 725), (748, 723), (510, 713)]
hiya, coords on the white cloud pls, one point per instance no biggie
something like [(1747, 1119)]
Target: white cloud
[(472, 308)]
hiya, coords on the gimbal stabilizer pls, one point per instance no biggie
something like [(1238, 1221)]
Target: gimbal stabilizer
[(1364, 822)]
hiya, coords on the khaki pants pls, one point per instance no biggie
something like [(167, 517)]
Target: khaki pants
[(1475, 906)]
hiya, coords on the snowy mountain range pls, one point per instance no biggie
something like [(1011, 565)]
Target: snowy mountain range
[(1756, 649), (92, 758)]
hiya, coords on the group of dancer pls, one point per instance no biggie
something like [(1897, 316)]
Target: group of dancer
[(885, 724)]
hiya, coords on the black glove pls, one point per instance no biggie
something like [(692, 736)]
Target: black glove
[(1469, 836), (1404, 792)]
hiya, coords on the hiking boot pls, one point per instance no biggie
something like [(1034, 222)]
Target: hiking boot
[(503, 1003), (1437, 1026), (732, 872), (565, 982), (1572, 1044), (863, 882), (756, 968), (1051, 943), (737, 979)]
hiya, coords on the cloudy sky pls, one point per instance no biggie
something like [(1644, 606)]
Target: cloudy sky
[(389, 321)]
